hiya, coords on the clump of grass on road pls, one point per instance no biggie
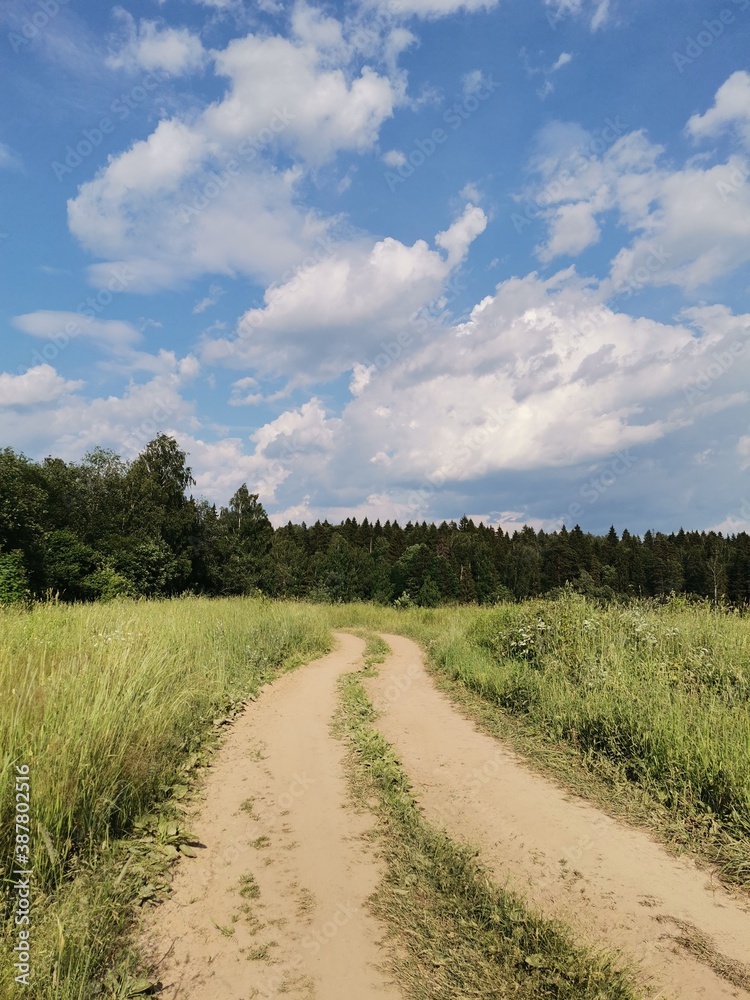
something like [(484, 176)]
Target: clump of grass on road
[(455, 933), (110, 706)]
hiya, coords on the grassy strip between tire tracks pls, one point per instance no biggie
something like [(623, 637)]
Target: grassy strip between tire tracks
[(644, 709), (454, 933)]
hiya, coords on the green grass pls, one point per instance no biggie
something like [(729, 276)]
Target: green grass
[(644, 707), (112, 707), (455, 933)]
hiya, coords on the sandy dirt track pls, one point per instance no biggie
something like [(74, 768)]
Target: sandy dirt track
[(307, 934), (614, 885)]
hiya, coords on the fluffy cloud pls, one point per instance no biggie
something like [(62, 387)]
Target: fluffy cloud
[(215, 292), (220, 468), (151, 46), (61, 327), (332, 314), (210, 186), (376, 506), (394, 158), (235, 6), (535, 378), (219, 220), (296, 440), (244, 392), (431, 9), (540, 380), (457, 239), (126, 422), (542, 383), (731, 110), (38, 386), (690, 225), (299, 88), (116, 338)]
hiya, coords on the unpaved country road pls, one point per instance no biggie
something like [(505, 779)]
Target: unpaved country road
[(308, 933), (612, 884)]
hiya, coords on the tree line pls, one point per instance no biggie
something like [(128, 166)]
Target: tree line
[(103, 528)]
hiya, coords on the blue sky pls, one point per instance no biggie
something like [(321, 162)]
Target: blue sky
[(408, 259)]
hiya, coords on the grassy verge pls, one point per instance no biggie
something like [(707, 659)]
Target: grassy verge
[(645, 709), (112, 708), (455, 933)]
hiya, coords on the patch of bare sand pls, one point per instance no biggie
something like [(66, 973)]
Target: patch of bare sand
[(612, 884), (274, 906)]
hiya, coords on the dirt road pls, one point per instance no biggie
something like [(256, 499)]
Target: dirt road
[(612, 884), (274, 906)]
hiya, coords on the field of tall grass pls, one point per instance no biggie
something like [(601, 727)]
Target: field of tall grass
[(665, 693), (655, 696), (109, 707)]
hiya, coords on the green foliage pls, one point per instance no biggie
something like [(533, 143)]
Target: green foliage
[(663, 692), (14, 582), (76, 523), (244, 536), (67, 563), (105, 584)]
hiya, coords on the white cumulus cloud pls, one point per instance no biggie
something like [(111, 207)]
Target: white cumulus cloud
[(209, 185), (689, 225), (39, 385), (151, 46), (334, 313)]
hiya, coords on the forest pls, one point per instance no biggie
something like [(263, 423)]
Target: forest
[(104, 528)]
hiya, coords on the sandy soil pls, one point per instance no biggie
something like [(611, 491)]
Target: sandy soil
[(614, 885), (276, 808)]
